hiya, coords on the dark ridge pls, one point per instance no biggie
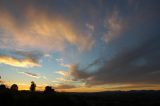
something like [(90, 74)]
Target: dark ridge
[(51, 98)]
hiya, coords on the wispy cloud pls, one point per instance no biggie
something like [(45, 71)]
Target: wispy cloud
[(114, 26), (64, 80), (90, 27), (134, 87), (29, 74), (63, 73), (61, 63), (25, 62), (64, 86), (48, 56), (41, 31)]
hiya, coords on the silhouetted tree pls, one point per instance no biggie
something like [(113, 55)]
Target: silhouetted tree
[(0, 80), (14, 87), (48, 89), (2, 87), (5, 96), (33, 86)]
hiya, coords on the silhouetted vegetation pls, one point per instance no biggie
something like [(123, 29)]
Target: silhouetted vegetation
[(2, 87), (14, 87), (48, 89), (33, 86), (49, 97)]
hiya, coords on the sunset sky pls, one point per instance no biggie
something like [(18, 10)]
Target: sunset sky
[(80, 45)]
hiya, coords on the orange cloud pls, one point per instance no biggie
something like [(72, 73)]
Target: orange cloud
[(41, 31), (18, 62), (80, 89)]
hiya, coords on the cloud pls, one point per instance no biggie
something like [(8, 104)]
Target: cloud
[(72, 75), (125, 67), (114, 26), (77, 74), (66, 77), (130, 54), (48, 56), (25, 62), (29, 74), (35, 55), (64, 80), (63, 73), (40, 30), (1, 81), (64, 86), (90, 27), (61, 63), (138, 86)]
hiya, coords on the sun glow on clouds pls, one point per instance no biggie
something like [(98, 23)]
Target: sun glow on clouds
[(41, 31), (34, 34), (63, 73), (27, 63)]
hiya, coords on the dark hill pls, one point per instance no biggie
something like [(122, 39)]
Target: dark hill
[(114, 98)]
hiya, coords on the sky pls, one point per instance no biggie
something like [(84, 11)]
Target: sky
[(80, 45)]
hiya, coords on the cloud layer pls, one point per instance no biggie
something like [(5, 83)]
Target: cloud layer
[(64, 86), (100, 42), (133, 66), (40, 30)]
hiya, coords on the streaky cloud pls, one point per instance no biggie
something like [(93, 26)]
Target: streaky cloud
[(29, 74), (12, 61), (65, 86), (41, 31)]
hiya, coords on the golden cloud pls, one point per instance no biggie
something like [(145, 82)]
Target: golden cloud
[(27, 62), (42, 31)]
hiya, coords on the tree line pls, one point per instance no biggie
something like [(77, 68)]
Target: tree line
[(14, 88)]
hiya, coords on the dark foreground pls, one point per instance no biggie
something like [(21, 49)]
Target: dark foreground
[(117, 98)]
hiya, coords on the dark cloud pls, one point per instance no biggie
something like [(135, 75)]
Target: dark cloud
[(30, 74), (133, 56), (138, 65), (77, 73), (65, 86), (34, 55)]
